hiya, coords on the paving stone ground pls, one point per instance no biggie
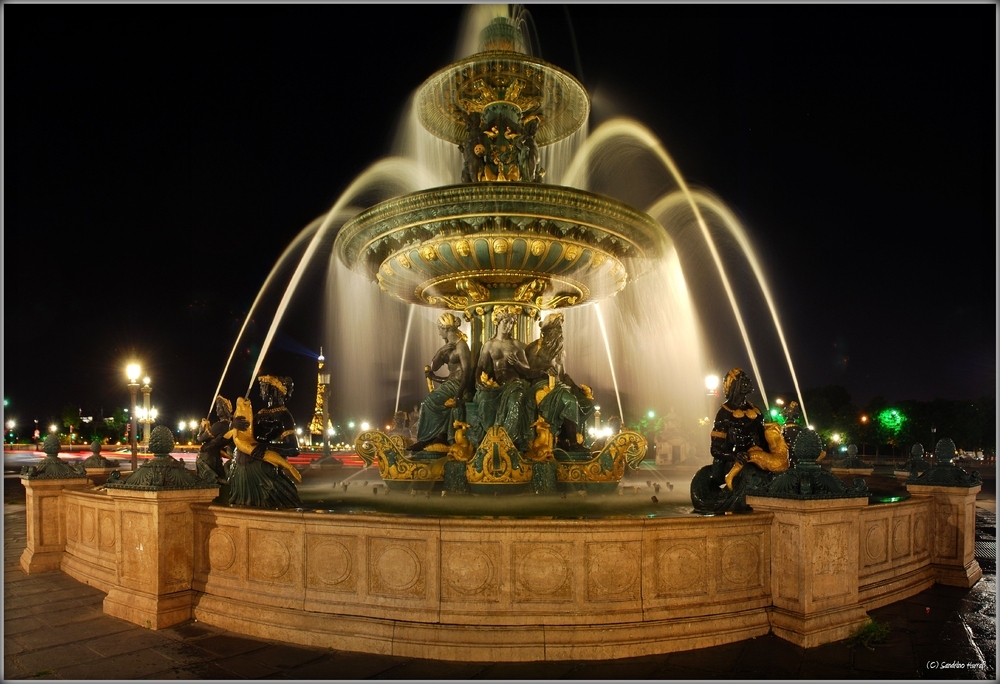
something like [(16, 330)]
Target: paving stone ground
[(54, 628)]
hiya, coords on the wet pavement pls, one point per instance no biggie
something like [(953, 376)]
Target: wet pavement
[(54, 628)]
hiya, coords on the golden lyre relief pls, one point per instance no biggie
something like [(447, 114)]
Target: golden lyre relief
[(497, 465)]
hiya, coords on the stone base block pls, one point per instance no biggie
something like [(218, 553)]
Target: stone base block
[(40, 561), (958, 577), (819, 628), (148, 610), (895, 588), (479, 642)]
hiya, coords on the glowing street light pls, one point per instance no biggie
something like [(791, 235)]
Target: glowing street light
[(712, 385), (365, 426)]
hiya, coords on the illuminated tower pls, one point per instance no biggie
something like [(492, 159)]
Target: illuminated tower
[(319, 413)]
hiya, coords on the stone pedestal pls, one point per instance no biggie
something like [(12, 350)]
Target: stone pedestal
[(46, 522), (155, 551), (99, 475), (953, 532), (814, 567)]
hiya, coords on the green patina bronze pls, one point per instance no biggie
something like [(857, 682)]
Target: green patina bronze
[(946, 473), (502, 248), (162, 472), (52, 467), (807, 479), (96, 460)]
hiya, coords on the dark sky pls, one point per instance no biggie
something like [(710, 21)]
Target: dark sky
[(159, 158)]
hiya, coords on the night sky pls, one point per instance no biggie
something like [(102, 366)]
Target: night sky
[(159, 158)]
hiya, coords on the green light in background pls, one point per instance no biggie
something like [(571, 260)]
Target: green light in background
[(891, 419)]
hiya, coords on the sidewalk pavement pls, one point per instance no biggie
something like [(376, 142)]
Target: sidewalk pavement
[(54, 628)]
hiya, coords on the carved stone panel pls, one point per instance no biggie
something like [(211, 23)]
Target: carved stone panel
[(220, 550), (332, 562), (740, 559), (613, 571), (106, 530), (88, 525), (787, 574), (681, 567), (900, 536), (138, 536), (542, 571), (874, 541), (397, 567), (945, 530), (920, 536), (49, 532), (830, 561), (470, 571), (72, 521), (270, 558)]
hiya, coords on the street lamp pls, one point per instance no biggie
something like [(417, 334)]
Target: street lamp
[(146, 389), (132, 371), (933, 431)]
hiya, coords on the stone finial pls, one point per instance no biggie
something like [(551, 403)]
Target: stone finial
[(162, 471), (52, 467), (852, 450), (917, 451)]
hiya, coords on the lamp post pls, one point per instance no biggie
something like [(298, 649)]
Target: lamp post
[(132, 371), (933, 431), (146, 389)]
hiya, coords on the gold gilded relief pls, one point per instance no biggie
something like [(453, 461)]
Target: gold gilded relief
[(537, 248), (403, 261), (462, 248), (427, 253), (476, 292)]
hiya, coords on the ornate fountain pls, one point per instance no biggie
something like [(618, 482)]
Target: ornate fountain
[(503, 246)]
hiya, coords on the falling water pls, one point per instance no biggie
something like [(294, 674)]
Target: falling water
[(715, 206), (402, 358), (391, 175), (611, 364), (306, 232), (634, 131)]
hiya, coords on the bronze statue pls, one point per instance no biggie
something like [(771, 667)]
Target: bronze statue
[(746, 451), (445, 404), (563, 404), (501, 382), (473, 149), (528, 156), (257, 475), (214, 444)]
